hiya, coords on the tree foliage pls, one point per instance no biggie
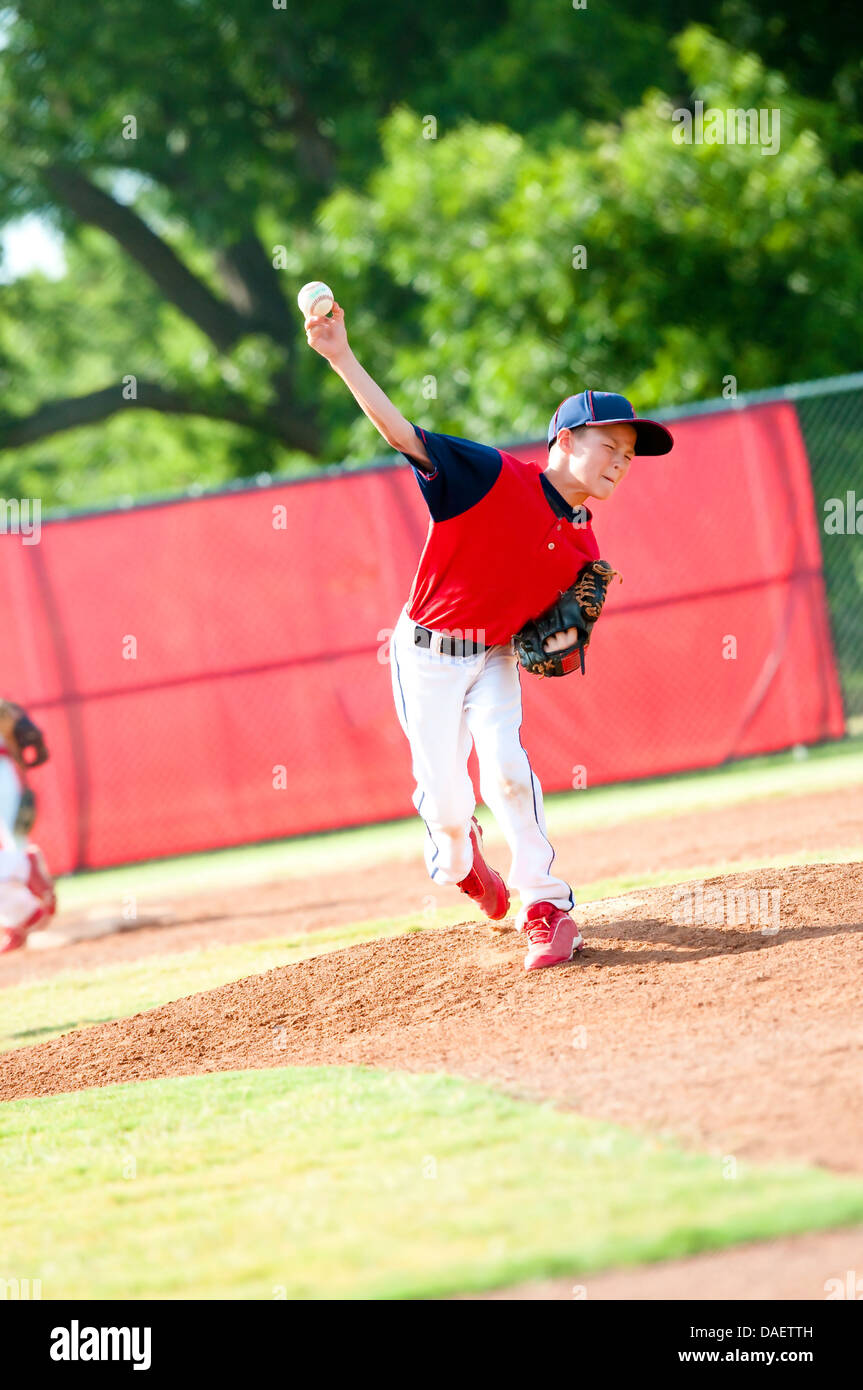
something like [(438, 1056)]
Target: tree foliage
[(202, 161), (693, 263)]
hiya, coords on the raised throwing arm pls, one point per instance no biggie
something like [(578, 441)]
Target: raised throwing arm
[(328, 336)]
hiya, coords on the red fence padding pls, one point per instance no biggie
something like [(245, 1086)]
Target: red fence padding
[(208, 678)]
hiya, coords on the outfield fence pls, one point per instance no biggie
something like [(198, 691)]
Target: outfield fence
[(830, 413), (215, 670)]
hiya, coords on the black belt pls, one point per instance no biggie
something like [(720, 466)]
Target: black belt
[(450, 646)]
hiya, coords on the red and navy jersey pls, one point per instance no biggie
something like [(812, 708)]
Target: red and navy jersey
[(502, 543)]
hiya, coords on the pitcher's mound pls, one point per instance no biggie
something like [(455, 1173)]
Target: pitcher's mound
[(728, 1016)]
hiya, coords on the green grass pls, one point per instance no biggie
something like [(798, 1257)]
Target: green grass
[(352, 1183), (72, 999), (823, 768), (305, 1183)]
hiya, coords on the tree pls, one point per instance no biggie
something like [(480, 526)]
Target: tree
[(625, 261), (203, 160), (199, 139)]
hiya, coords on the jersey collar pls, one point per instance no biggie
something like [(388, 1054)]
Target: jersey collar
[(560, 506)]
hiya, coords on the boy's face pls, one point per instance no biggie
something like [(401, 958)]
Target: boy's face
[(598, 456)]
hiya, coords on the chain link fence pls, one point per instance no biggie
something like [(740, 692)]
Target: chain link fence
[(832, 425)]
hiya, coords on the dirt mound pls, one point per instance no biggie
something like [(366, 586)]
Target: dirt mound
[(189, 918), (743, 1037)]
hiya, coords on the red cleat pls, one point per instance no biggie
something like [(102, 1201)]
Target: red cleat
[(486, 887), (11, 938), (41, 885), (552, 934)]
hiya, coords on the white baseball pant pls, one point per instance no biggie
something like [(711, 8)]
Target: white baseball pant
[(17, 903), (444, 703)]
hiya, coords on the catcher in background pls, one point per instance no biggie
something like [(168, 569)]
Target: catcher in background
[(510, 566), (26, 889)]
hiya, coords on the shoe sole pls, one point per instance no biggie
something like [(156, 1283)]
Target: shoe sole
[(500, 914)]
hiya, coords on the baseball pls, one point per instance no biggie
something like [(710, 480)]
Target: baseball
[(315, 298)]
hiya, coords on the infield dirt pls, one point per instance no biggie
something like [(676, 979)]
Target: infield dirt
[(744, 1039), (182, 921)]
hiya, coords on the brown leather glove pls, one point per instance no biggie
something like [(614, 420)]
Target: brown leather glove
[(579, 608)]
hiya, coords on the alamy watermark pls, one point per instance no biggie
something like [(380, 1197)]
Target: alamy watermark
[(843, 516), (77, 1343), (21, 516), (442, 646), (18, 1289), (733, 126), (851, 1287), (693, 905)]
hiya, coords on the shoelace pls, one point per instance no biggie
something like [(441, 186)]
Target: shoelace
[(539, 932), (592, 586)]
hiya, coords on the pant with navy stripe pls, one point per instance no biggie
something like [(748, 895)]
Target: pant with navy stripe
[(16, 902), (444, 704)]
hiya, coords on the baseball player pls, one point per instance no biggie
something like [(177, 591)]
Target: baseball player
[(26, 888), (506, 540)]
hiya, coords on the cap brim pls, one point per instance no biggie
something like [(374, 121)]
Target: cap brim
[(650, 437)]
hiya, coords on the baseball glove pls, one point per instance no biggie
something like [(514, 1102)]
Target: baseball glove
[(24, 741), (25, 818), (579, 608)]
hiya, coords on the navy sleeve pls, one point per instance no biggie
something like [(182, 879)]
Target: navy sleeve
[(462, 472)]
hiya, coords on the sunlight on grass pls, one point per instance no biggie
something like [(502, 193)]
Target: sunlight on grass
[(352, 1183)]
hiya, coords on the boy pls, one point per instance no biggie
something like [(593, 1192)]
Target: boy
[(26, 888), (505, 539)]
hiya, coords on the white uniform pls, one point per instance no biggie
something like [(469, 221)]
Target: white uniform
[(17, 903), (502, 544), (444, 703)]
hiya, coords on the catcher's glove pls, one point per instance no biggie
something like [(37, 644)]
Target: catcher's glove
[(578, 607), (24, 741)]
